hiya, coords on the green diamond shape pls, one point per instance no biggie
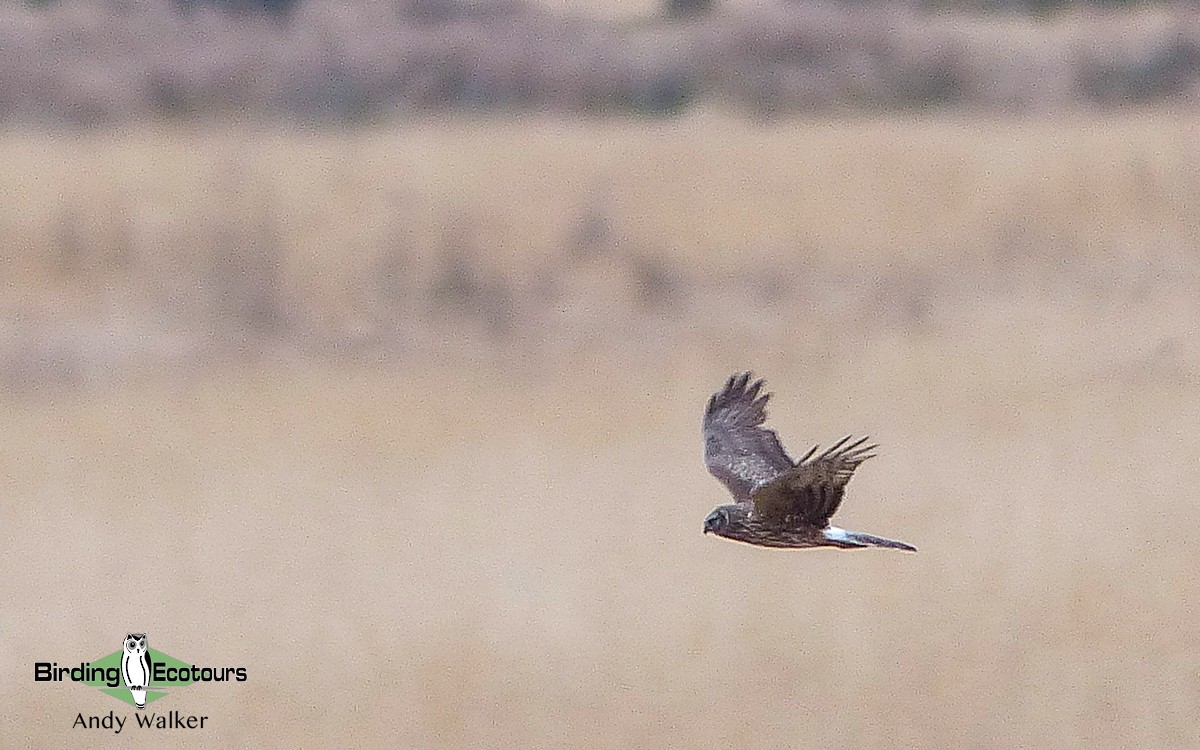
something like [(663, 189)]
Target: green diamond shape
[(156, 658)]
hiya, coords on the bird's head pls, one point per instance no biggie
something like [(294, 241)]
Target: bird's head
[(717, 521)]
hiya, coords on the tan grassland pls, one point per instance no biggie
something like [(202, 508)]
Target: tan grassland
[(405, 421)]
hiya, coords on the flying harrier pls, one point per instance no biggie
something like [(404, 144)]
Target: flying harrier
[(779, 502)]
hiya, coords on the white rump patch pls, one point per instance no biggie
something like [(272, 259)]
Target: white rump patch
[(834, 534)]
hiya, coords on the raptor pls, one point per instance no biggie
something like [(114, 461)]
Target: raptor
[(778, 502)]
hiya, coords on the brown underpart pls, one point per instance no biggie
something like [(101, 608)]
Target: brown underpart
[(740, 524)]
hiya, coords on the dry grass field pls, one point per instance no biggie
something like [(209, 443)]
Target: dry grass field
[(406, 422)]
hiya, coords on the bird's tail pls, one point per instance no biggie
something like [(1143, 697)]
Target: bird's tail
[(858, 540)]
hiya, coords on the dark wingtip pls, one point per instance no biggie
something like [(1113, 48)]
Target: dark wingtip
[(854, 453), (739, 387), (739, 381)]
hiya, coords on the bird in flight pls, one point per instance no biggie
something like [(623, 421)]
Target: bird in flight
[(778, 502)]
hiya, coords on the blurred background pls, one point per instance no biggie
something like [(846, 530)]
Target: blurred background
[(365, 345)]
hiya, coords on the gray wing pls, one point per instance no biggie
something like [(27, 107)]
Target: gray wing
[(738, 450), (811, 491)]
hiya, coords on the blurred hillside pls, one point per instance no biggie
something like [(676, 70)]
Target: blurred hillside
[(89, 63)]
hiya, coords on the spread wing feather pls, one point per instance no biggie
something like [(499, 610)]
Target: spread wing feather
[(738, 450), (811, 491)]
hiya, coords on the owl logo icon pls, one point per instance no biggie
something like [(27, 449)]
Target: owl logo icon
[(135, 667)]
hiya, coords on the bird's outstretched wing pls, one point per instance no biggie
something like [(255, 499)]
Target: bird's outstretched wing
[(738, 450), (810, 491)]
